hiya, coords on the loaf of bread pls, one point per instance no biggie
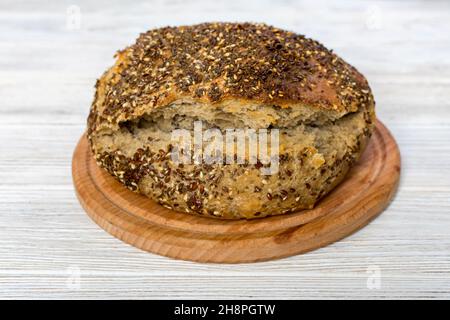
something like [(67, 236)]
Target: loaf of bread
[(230, 75)]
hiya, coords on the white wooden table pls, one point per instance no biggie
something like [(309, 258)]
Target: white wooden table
[(49, 248)]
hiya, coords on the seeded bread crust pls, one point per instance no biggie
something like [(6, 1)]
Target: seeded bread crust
[(230, 75), (213, 62)]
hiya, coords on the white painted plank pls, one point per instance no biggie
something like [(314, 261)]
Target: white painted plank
[(47, 75)]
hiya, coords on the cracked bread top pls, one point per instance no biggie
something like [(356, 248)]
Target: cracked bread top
[(212, 63)]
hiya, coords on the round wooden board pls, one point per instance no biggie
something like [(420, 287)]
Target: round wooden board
[(141, 222)]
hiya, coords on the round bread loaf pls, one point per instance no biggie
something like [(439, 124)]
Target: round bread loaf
[(230, 75)]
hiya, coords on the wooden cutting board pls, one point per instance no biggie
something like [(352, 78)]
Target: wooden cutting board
[(141, 222)]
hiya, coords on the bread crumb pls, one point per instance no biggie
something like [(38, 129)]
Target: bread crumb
[(317, 160)]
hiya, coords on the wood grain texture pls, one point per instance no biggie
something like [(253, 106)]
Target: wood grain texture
[(143, 223), (47, 74)]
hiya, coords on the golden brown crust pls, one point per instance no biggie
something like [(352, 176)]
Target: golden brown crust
[(213, 62), (230, 75)]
